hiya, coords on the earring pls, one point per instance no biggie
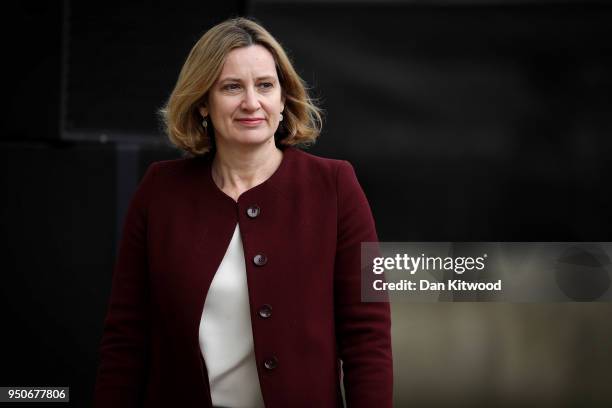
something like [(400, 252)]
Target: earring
[(204, 123), (281, 118)]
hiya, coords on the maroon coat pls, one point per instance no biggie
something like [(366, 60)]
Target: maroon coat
[(312, 217)]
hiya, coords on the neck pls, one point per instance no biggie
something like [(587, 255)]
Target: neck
[(236, 169)]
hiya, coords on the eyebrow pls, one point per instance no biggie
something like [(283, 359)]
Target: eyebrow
[(265, 77)]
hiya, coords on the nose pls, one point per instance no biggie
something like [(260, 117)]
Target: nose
[(250, 101)]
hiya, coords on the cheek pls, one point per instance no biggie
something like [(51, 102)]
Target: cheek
[(223, 113), (274, 107)]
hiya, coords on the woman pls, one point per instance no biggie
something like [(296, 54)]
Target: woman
[(238, 277)]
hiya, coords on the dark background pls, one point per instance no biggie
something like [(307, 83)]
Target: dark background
[(465, 121)]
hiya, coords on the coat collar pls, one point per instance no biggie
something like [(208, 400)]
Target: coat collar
[(279, 183)]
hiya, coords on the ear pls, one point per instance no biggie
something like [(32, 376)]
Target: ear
[(203, 111), (282, 102)]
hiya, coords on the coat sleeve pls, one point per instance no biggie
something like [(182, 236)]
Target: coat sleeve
[(124, 347), (363, 329)]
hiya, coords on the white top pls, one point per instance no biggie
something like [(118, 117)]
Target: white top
[(226, 336)]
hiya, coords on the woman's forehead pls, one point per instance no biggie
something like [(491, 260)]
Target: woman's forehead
[(252, 61)]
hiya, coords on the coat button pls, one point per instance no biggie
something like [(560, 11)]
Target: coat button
[(271, 363), (260, 260), (253, 211), (265, 311)]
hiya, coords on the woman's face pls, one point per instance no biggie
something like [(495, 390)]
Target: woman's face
[(246, 101)]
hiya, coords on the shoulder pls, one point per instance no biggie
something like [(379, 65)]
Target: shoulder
[(338, 174), (175, 171), (168, 177), (310, 175), (176, 166), (321, 167)]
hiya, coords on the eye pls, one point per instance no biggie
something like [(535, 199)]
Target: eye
[(266, 85), (231, 87)]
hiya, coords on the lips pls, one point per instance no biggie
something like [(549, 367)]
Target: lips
[(251, 121)]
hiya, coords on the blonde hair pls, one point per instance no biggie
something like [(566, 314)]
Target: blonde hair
[(181, 118)]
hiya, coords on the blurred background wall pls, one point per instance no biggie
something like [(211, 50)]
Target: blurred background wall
[(465, 120)]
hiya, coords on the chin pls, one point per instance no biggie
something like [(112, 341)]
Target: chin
[(254, 135), (253, 140)]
